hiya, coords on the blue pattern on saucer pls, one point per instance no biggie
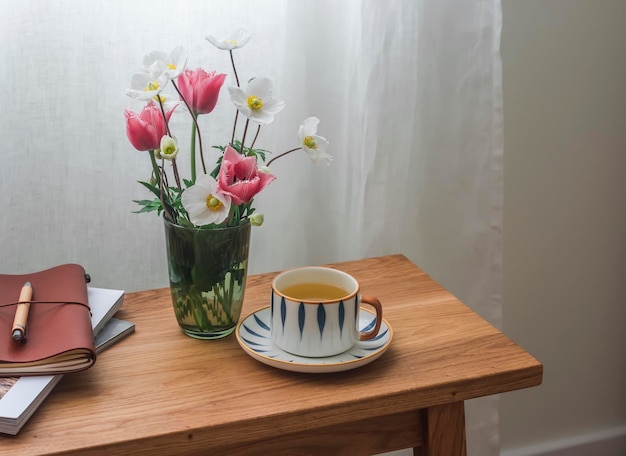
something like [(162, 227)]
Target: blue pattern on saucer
[(262, 323)]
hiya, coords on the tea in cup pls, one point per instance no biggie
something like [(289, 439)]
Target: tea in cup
[(315, 312)]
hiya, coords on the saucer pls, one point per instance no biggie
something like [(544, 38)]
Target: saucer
[(253, 334)]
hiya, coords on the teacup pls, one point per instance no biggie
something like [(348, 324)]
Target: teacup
[(315, 312)]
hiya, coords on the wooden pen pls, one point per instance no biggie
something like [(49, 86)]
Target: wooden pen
[(21, 313)]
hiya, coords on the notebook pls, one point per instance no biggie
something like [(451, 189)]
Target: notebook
[(21, 396), (58, 325)]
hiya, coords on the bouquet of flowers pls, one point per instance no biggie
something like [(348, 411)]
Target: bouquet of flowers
[(209, 213), (222, 195)]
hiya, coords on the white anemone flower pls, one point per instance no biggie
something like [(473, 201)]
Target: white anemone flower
[(169, 147), (168, 100), (257, 102), (204, 203), (144, 86), (174, 63), (235, 40), (315, 146)]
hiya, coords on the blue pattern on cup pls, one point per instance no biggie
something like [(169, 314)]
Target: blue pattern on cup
[(321, 318), (301, 318), (283, 312), (342, 317)]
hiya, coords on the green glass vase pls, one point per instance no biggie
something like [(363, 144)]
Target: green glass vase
[(207, 272)]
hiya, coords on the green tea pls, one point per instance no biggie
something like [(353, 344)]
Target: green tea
[(314, 292)]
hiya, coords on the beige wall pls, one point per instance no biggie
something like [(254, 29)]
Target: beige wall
[(564, 74)]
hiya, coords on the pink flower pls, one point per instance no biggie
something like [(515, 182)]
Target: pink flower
[(240, 178), (145, 130), (200, 89)]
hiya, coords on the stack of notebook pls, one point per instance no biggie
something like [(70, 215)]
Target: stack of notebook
[(24, 382)]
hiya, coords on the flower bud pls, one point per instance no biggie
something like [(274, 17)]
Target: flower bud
[(169, 147), (256, 219)]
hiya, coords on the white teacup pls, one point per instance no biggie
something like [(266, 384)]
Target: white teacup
[(315, 312)]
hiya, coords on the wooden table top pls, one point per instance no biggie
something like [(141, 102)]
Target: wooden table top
[(161, 392)]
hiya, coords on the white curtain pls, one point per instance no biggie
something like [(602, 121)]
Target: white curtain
[(408, 93)]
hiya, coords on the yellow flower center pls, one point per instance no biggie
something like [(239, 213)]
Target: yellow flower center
[(213, 203), (309, 142), (169, 150), (255, 102), (233, 42), (171, 66), (152, 85), (159, 98)]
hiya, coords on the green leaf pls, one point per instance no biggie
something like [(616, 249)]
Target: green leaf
[(151, 187), (148, 205)]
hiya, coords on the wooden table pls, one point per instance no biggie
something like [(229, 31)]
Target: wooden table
[(159, 392)]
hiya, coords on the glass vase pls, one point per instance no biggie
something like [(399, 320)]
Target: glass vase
[(207, 272)]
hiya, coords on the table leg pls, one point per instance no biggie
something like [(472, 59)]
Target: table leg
[(445, 431)]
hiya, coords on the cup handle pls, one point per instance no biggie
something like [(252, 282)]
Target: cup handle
[(375, 303)]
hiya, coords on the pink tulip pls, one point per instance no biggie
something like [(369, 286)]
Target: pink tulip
[(145, 130), (200, 89), (240, 178)]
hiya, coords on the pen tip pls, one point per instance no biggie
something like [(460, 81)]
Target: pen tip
[(27, 284), (17, 335)]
